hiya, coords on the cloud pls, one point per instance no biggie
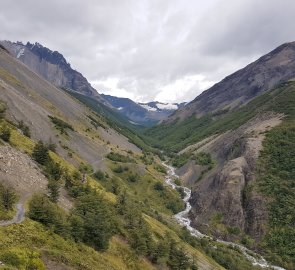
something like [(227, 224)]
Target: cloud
[(152, 49)]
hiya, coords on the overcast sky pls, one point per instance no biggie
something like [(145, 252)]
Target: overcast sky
[(165, 50)]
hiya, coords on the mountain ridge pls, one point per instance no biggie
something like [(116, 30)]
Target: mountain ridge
[(243, 85), (51, 65)]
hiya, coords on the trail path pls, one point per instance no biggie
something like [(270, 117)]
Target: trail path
[(18, 217)]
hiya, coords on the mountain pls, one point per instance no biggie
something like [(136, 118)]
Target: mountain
[(51, 65), (77, 194), (242, 86), (234, 147), (142, 113)]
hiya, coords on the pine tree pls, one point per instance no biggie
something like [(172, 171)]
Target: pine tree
[(53, 187), (40, 153), (8, 197)]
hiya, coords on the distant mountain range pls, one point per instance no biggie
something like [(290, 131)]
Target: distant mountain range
[(52, 66), (142, 113)]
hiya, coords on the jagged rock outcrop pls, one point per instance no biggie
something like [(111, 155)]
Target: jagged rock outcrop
[(51, 65)]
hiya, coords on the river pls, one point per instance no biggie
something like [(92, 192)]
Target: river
[(182, 219)]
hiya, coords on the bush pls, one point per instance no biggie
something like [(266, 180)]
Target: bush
[(159, 186), (41, 209), (99, 175), (60, 125), (133, 178), (24, 128), (120, 169), (5, 133), (119, 158)]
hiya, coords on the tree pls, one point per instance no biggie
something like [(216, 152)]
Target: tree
[(41, 209), (178, 260), (99, 220), (53, 187), (8, 197), (77, 227), (53, 170), (40, 153)]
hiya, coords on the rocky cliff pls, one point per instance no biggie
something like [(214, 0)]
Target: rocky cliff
[(51, 65)]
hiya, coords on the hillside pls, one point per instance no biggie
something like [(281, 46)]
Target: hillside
[(248, 191), (92, 199), (239, 163), (234, 159), (242, 86)]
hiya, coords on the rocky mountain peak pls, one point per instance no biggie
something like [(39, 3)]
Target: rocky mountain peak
[(53, 57), (51, 65)]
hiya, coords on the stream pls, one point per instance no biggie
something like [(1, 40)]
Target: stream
[(182, 219)]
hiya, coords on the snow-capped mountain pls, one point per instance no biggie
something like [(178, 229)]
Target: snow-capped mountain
[(142, 113)]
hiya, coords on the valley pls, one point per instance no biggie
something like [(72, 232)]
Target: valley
[(207, 185)]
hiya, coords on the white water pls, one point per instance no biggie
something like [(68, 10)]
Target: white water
[(182, 219)]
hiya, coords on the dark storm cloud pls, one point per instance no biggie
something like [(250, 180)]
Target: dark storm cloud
[(152, 49)]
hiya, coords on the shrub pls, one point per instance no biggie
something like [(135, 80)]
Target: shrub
[(24, 128), (99, 175), (5, 133), (159, 186), (119, 158), (60, 125), (133, 178)]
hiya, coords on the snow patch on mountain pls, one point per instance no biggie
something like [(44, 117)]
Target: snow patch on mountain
[(167, 106), (20, 53), (147, 107)]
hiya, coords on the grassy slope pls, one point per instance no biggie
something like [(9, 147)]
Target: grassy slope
[(114, 120), (24, 239)]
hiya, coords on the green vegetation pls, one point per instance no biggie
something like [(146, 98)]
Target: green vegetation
[(276, 174), (40, 153), (8, 199), (119, 158), (5, 133), (24, 128), (91, 221), (61, 125), (175, 136), (3, 108), (200, 158)]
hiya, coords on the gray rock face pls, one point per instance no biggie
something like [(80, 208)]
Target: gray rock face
[(242, 86), (51, 65), (226, 191)]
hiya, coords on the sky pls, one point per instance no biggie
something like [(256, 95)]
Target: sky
[(164, 50)]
